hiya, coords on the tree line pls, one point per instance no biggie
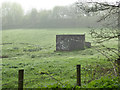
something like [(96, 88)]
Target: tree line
[(14, 16)]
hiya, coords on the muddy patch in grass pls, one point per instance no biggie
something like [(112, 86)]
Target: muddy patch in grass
[(32, 50), (5, 43), (4, 56)]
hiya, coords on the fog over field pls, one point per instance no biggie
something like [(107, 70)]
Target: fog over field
[(46, 14)]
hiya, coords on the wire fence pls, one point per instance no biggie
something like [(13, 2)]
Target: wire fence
[(84, 75)]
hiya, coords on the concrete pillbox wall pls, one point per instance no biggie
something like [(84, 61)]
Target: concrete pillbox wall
[(70, 42)]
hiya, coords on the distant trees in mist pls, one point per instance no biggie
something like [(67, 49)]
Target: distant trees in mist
[(13, 16)]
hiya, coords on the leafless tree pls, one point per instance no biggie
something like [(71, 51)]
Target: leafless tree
[(108, 11)]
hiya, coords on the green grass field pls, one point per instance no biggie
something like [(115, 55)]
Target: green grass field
[(34, 51)]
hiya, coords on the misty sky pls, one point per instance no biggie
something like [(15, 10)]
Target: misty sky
[(46, 4), (41, 4)]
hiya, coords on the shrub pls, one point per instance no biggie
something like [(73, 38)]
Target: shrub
[(105, 82)]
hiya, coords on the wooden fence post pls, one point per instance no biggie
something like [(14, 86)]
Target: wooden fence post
[(20, 79), (118, 62), (79, 75)]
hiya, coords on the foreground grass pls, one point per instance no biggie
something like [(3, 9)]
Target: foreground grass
[(34, 51)]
